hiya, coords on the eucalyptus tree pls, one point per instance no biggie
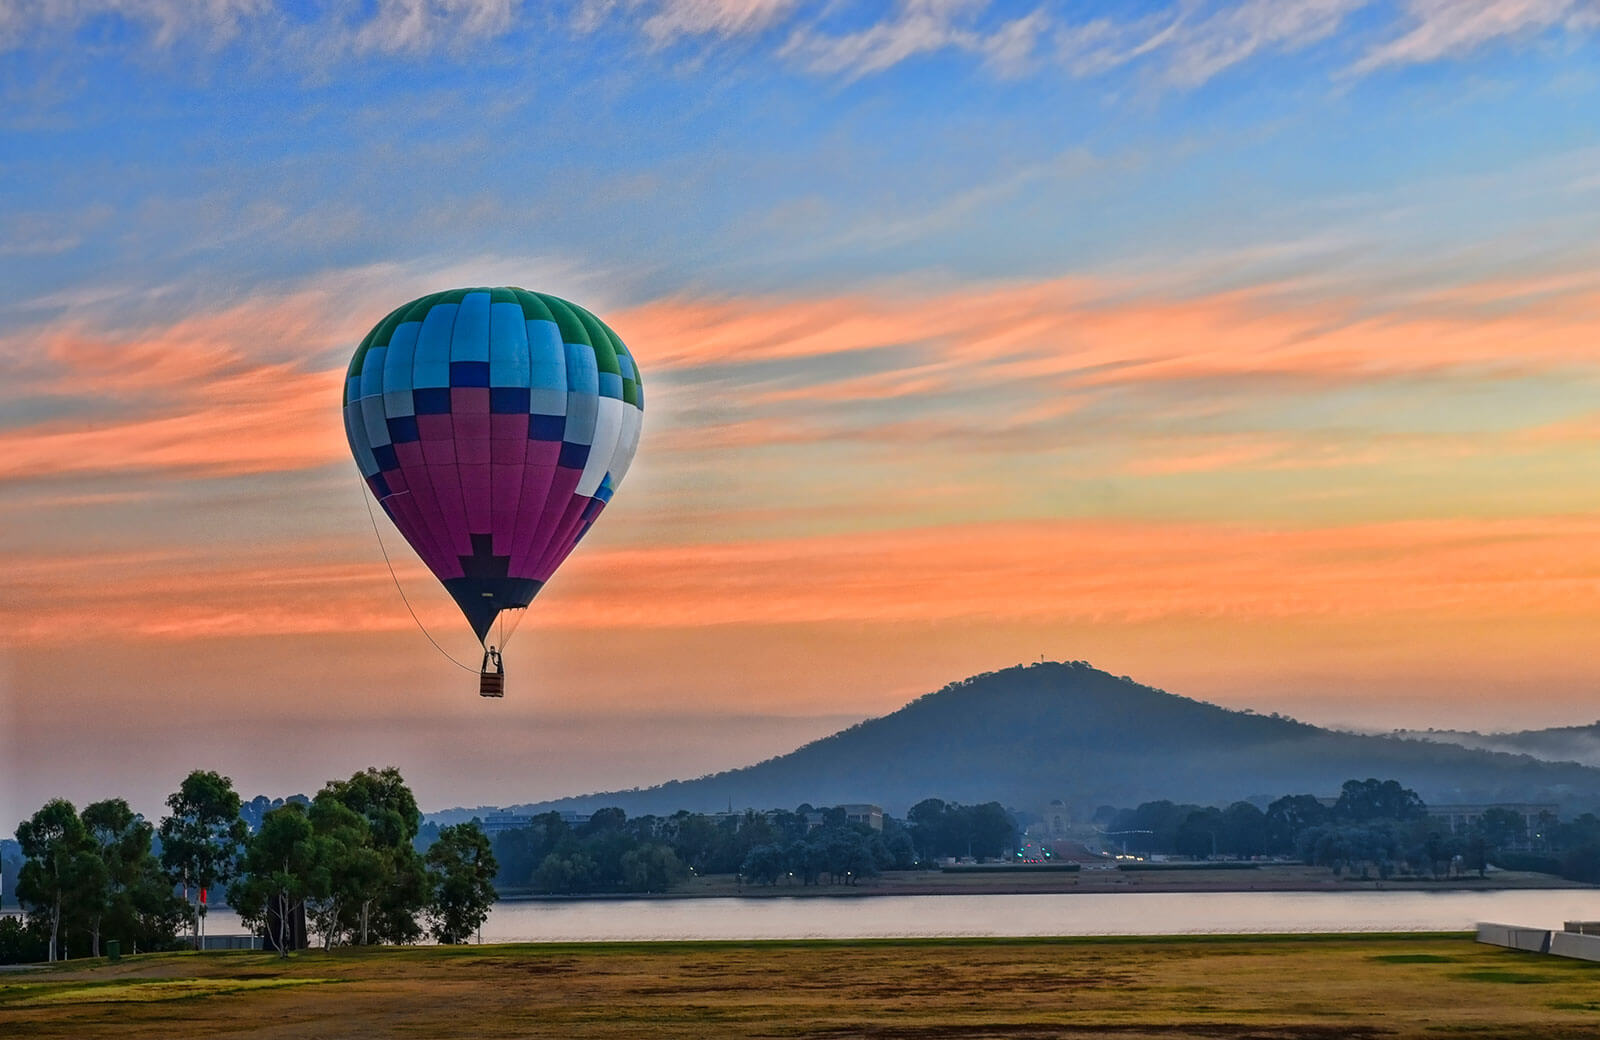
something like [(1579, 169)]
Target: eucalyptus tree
[(385, 866), (285, 864), (136, 903), (461, 869), (202, 838), (62, 877)]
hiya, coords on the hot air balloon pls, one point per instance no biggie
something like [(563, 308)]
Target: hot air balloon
[(492, 426)]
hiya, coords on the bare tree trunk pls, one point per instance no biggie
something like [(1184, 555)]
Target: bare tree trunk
[(94, 934), (55, 929), (365, 907), (283, 916)]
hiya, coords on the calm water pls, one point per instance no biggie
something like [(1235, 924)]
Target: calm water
[(1111, 913)]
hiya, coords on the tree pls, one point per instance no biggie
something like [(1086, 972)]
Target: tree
[(520, 851), (285, 864), (136, 903), (1370, 799), (62, 876), (200, 841), (1503, 828), (990, 831), (21, 941), (764, 865), (358, 873), (565, 873), (393, 876), (461, 869), (1289, 817), (651, 868), (1197, 836), (1244, 830), (607, 820), (929, 827)]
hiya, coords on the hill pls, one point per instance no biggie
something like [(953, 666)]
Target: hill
[(1033, 733)]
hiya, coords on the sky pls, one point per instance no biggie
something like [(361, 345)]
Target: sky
[(1249, 348)]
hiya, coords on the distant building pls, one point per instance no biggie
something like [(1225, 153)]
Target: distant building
[(1461, 818), (500, 822), (1054, 820), (871, 815)]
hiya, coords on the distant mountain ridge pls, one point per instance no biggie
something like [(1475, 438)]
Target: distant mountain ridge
[(1032, 733), (1579, 744)]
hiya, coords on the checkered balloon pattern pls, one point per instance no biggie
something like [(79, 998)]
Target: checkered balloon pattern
[(493, 425)]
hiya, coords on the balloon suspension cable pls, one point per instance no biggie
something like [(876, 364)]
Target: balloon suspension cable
[(390, 564), (506, 632)]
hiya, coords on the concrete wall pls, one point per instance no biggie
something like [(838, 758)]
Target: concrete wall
[(1573, 944), (1515, 937)]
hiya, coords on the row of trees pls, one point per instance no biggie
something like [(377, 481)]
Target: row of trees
[(611, 852), (345, 861), (841, 854), (92, 874), (943, 829), (1375, 827), (1244, 831)]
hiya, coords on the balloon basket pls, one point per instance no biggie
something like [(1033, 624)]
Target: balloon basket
[(491, 684)]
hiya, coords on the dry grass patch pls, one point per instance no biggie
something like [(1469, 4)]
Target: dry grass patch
[(1244, 988)]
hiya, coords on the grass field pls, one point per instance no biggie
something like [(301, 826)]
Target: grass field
[(1236, 987)]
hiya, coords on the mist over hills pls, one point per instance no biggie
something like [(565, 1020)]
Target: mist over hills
[(1032, 733), (1579, 744)]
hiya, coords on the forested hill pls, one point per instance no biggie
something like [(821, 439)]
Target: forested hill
[(1033, 733)]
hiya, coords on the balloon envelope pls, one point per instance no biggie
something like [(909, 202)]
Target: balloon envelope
[(492, 425)]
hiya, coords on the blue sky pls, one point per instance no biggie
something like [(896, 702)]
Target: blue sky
[(734, 147), (1266, 324)]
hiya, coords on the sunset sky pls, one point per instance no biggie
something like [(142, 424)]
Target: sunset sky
[(1250, 348)]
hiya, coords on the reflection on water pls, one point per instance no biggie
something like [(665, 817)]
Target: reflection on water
[(1108, 913)]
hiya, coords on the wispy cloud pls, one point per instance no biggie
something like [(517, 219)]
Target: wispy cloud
[(1184, 45), (418, 26), (675, 18), (342, 26), (1192, 42), (920, 27), (160, 22), (1444, 29), (1100, 332)]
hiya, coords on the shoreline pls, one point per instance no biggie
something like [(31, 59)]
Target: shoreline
[(1273, 878)]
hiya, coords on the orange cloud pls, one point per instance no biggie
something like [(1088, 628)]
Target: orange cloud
[(230, 391), (255, 420), (241, 389), (1088, 333), (1117, 574)]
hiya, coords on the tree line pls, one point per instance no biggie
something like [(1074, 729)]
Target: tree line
[(1375, 827), (344, 861), (612, 853)]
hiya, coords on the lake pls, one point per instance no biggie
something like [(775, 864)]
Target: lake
[(1110, 913)]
